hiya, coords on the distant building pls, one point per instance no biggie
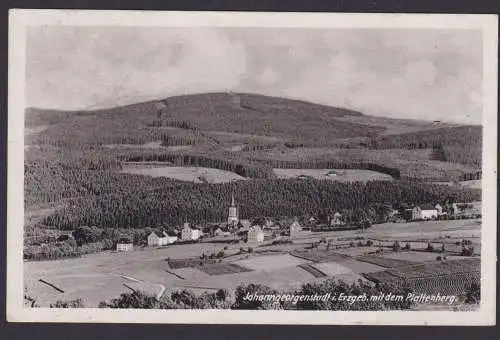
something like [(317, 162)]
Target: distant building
[(161, 239), (232, 217), (171, 236), (155, 240), (244, 224), (336, 220), (295, 228), (267, 223), (255, 234), (190, 234), (332, 173), (124, 245), (424, 213), (221, 232), (439, 209)]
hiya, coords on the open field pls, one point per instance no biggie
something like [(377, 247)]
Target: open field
[(385, 262), (190, 174), (150, 145), (473, 184), (103, 276), (418, 256), (223, 268), (319, 255), (332, 268), (444, 277), (471, 264), (356, 251), (335, 174), (416, 163), (393, 125), (270, 262)]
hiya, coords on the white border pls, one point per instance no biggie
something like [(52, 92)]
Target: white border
[(20, 19)]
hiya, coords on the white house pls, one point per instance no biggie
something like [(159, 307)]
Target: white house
[(439, 209), (255, 234), (124, 245), (424, 214), (155, 239), (429, 214), (171, 236), (295, 228), (336, 220), (190, 234)]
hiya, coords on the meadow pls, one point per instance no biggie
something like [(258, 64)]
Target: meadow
[(188, 174), (103, 276), (342, 175)]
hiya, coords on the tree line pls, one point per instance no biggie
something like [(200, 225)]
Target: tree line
[(333, 164), (130, 202), (249, 169), (466, 136)]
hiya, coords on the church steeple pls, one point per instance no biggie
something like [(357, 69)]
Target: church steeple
[(232, 217)]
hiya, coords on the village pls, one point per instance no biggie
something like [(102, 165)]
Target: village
[(259, 230)]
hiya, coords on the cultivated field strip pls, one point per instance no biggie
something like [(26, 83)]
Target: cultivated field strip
[(447, 284), (443, 277), (319, 256), (385, 262), (312, 270), (438, 268)]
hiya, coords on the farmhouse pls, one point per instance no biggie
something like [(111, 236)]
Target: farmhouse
[(190, 234), (232, 218), (332, 173), (255, 234), (161, 239), (294, 228), (424, 213), (336, 220), (124, 245)]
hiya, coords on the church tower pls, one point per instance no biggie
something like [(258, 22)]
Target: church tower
[(233, 213)]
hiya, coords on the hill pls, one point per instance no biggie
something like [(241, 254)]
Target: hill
[(283, 119), (70, 152)]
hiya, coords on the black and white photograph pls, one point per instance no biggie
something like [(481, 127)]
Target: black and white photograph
[(273, 165)]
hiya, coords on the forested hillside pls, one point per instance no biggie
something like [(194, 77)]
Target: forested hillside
[(73, 160), (131, 201), (462, 144), (461, 135)]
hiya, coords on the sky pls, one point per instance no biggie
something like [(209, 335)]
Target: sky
[(405, 73)]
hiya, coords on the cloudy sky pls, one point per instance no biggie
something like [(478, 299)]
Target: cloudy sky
[(425, 74)]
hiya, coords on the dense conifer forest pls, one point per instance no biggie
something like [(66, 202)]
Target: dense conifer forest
[(74, 159)]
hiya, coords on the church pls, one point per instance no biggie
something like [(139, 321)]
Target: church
[(232, 218)]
